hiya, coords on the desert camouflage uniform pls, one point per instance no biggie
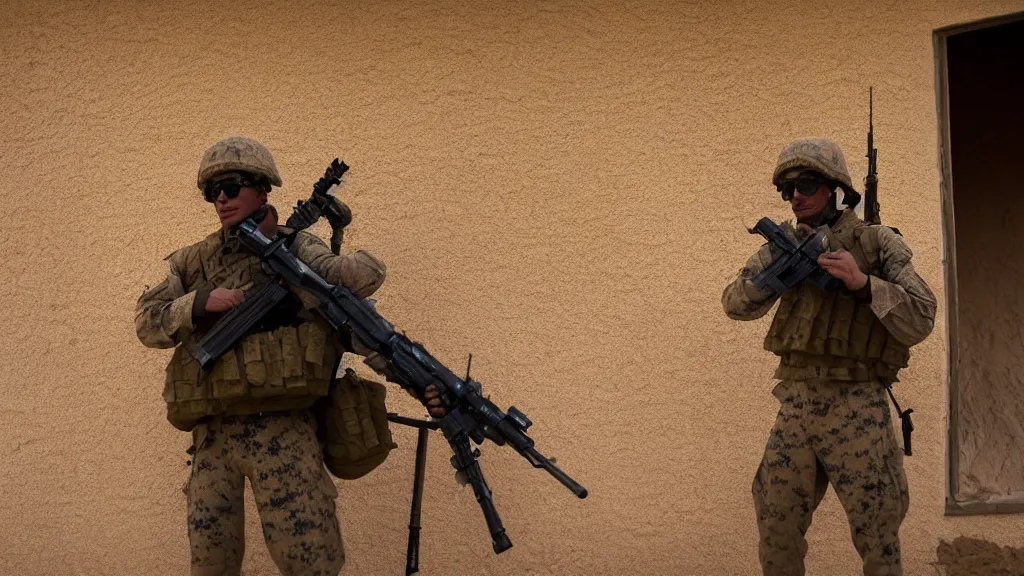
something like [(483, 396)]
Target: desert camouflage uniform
[(252, 417), (837, 352)]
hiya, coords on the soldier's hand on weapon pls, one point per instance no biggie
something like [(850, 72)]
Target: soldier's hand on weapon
[(304, 215), (339, 215), (803, 231), (432, 398), (223, 299), (841, 265)]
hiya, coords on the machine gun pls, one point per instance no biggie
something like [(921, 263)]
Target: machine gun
[(792, 263), (469, 415)]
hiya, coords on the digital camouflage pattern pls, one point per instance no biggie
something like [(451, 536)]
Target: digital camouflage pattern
[(237, 153), (163, 315), (356, 434), (839, 433), (281, 457), (834, 424), (257, 432), (900, 298), (276, 374), (818, 154)]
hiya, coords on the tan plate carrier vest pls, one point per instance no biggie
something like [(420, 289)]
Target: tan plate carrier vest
[(830, 335), (288, 368)]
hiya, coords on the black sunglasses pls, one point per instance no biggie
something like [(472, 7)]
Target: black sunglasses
[(230, 187), (806, 184)]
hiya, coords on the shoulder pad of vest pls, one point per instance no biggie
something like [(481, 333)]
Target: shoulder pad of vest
[(185, 250), (181, 250), (866, 227)]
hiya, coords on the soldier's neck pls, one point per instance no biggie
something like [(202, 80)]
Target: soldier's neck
[(265, 216), (828, 216)]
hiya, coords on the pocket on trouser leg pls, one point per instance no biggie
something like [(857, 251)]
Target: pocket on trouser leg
[(334, 545), (199, 436), (877, 500), (216, 517), (327, 486), (300, 523), (904, 494)]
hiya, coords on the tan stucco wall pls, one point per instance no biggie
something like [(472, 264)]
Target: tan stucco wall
[(559, 188)]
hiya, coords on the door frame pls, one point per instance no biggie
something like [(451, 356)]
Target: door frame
[(1003, 505)]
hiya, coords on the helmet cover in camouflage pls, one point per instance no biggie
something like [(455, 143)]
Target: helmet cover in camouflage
[(238, 153), (816, 154)]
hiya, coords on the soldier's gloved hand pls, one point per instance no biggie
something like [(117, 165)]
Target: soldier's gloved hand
[(432, 399), (304, 215), (803, 231), (338, 214), (223, 299)]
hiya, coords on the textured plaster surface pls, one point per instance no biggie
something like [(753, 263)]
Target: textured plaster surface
[(560, 188), (986, 121)]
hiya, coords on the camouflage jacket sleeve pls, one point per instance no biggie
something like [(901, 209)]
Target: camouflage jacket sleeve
[(360, 271), (741, 300), (902, 300), (164, 312)]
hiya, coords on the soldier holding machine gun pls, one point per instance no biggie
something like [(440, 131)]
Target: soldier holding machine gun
[(259, 316)]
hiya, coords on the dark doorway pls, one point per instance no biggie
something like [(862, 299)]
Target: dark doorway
[(980, 74)]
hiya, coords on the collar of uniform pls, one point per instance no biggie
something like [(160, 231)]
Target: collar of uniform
[(845, 228), (227, 240)]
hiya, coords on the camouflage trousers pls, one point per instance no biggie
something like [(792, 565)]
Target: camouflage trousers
[(281, 457), (839, 433)]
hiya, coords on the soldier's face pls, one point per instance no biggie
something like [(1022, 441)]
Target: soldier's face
[(807, 192), (231, 211), (807, 206)]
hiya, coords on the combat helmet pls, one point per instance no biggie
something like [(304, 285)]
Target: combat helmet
[(820, 155), (238, 153)]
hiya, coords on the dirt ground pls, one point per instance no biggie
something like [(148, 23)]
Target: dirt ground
[(972, 557)]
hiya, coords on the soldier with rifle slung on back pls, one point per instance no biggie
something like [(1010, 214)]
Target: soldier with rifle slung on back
[(850, 307), (251, 411), (259, 316)]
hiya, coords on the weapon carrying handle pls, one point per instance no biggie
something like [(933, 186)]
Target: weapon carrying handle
[(774, 234)]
